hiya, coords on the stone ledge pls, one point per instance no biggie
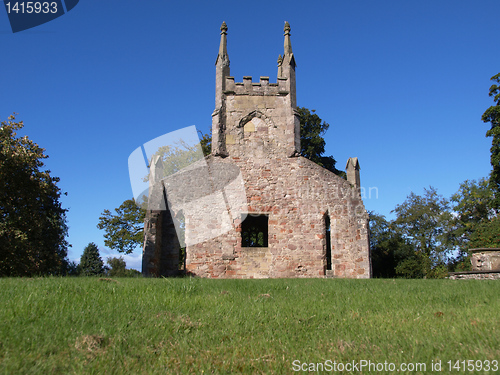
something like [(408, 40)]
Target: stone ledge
[(473, 272), (472, 275)]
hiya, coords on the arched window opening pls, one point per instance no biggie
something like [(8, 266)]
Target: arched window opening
[(328, 243)]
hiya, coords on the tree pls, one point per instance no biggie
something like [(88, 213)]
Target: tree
[(118, 268), (312, 143), (477, 223), (474, 204), (91, 263), (124, 231), (426, 222), (390, 251), (492, 115), (32, 222), (416, 266), (487, 234)]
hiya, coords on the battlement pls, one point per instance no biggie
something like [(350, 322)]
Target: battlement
[(263, 87), (271, 103)]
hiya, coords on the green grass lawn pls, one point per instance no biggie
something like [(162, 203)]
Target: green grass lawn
[(170, 326)]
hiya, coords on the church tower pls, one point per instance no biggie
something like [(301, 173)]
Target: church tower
[(255, 119)]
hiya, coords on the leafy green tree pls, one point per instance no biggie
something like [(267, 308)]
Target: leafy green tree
[(124, 231), (117, 267), (477, 204), (486, 234), (91, 263), (32, 222), (389, 250), (426, 222), (312, 143), (492, 115), (477, 221), (415, 266), (133, 273), (474, 204)]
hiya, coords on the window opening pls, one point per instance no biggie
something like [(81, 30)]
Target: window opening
[(328, 243), (254, 231)]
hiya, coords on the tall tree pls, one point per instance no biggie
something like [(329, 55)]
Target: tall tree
[(492, 115), (91, 263), (124, 231), (427, 223), (32, 222), (312, 143), (486, 234), (474, 204)]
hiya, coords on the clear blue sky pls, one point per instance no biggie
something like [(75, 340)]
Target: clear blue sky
[(402, 84)]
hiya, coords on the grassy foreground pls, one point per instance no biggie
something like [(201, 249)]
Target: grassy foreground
[(194, 326)]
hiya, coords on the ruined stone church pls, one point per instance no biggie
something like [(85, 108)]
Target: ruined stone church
[(260, 209)]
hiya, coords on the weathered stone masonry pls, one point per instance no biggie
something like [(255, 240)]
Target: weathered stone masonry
[(256, 131)]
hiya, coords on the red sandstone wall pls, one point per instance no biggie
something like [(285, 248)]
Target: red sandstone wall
[(296, 194)]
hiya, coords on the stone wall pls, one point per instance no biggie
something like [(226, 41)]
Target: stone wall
[(485, 259), (474, 276), (296, 194), (485, 265)]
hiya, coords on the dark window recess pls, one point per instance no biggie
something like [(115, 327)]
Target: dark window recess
[(254, 231), (328, 243)]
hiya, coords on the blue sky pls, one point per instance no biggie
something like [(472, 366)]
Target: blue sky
[(402, 84)]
